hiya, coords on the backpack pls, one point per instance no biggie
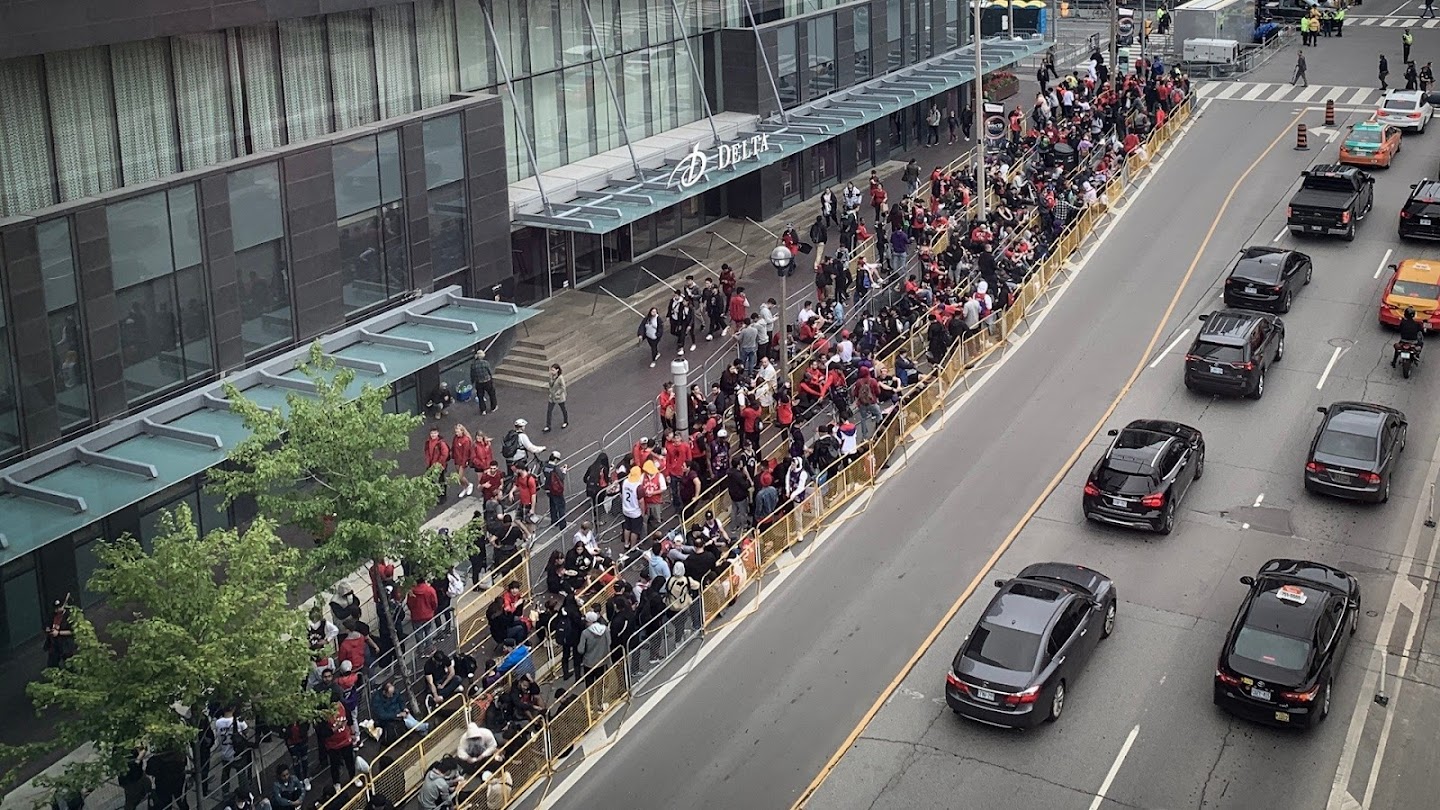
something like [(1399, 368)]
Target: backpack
[(511, 445), (556, 483)]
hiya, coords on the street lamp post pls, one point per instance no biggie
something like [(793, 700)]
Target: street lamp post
[(784, 263), (979, 118)]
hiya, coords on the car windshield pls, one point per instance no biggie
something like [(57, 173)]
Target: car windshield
[(1265, 271), (1416, 289), (1218, 352), (1401, 104), (1364, 136), (1347, 445), (1004, 647), (1272, 649)]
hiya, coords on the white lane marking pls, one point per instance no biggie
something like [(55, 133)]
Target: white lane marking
[(1333, 136), (1383, 262), (1256, 91), (1306, 93), (1208, 89), (1281, 234), (1396, 12), (1231, 91), (1359, 97), (577, 775), (1259, 499), (1430, 23), (1114, 769), (1166, 350), (1280, 93), (1391, 23), (1340, 798), (1244, 525), (1333, 357)]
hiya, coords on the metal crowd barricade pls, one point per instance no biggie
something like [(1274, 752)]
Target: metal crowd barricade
[(471, 605)]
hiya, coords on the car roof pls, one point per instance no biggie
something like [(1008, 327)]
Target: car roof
[(1295, 616), (1264, 253), (1356, 422), (1404, 95), (1142, 448), (1307, 571), (1427, 191), (1228, 326), (1376, 125), (1028, 605), (1419, 270), (1179, 430)]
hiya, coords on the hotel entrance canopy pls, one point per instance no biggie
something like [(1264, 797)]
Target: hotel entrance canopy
[(675, 178), (63, 490)]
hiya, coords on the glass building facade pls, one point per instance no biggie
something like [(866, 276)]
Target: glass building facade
[(184, 194)]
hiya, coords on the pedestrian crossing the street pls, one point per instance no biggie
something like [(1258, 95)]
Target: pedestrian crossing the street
[(1393, 22), (1284, 92)]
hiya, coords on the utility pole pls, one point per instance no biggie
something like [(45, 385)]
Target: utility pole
[(979, 105), (1115, 44)]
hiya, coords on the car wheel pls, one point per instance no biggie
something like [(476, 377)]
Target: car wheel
[(1057, 703), (1200, 465), (1324, 704), (1167, 520), (1349, 235), (1309, 273), (1286, 302), (1259, 390), (1354, 621), (1109, 620), (1385, 492), (1280, 349)]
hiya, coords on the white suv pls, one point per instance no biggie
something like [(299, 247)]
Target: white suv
[(1404, 109)]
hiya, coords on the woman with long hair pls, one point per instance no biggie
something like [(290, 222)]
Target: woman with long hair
[(461, 449)]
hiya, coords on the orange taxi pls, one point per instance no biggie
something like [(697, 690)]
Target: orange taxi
[(1414, 283), (1370, 144)]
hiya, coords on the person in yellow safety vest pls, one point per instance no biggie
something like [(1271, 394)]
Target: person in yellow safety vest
[(1340, 21), (1406, 40), (1162, 19), (1305, 32), (1327, 22)]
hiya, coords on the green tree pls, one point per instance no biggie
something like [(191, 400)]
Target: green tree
[(328, 465), (200, 620)]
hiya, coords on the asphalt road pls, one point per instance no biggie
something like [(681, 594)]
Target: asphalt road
[(756, 721)]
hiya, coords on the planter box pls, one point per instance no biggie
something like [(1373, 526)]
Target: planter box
[(999, 88)]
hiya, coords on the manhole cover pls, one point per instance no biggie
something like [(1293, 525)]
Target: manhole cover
[(1263, 519), (1341, 343)]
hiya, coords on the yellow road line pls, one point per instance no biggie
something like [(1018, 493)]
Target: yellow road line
[(1005, 544)]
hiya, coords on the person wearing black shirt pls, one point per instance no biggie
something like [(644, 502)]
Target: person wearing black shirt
[(1411, 331), (506, 538), (440, 678)]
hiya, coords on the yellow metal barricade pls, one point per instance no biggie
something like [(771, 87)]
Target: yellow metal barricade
[(470, 610), (409, 759)]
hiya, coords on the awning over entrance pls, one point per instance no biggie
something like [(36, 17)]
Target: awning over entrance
[(707, 166), (65, 489)]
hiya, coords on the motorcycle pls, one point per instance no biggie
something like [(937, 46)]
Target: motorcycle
[(1409, 356)]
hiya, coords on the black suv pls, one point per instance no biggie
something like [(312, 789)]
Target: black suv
[(1266, 278), (1232, 351), (1420, 218)]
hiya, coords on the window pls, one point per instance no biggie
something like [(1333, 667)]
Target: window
[(67, 338), (821, 34), (444, 177), (952, 24), (374, 264), (20, 591), (863, 62), (9, 394), (1003, 646), (160, 290), (895, 46), (924, 47), (824, 165), (787, 67), (260, 268)]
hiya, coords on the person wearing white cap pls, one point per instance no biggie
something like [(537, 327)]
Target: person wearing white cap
[(516, 444), (594, 647)]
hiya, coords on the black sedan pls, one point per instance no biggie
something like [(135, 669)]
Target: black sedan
[(1355, 451), (1267, 278), (1033, 640), (1146, 473), (1286, 644)]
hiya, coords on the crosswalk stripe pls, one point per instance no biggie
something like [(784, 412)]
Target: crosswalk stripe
[(1431, 23), (1359, 96), (1208, 89), (1230, 91), (1306, 93), (1283, 91), (1391, 22), (1260, 87)]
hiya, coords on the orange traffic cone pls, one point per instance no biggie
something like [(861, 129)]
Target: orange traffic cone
[(1302, 141), (1329, 112)]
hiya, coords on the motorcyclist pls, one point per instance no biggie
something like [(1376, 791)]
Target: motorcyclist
[(1411, 331)]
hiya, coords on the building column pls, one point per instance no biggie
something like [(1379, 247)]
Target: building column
[(102, 316), (417, 206), (227, 320), (30, 335)]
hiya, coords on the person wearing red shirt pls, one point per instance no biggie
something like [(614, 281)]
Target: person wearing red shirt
[(784, 407), (380, 573), (524, 489), (739, 309), (491, 482), (423, 602), (665, 404), (482, 452), (1132, 142), (461, 448), (750, 425), (339, 743), (437, 454)]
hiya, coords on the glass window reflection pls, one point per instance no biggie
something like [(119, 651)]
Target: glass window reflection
[(67, 338), (260, 267), (9, 395)]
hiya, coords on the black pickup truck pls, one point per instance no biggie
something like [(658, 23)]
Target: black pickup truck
[(1331, 200)]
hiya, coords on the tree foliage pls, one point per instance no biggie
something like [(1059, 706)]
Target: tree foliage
[(331, 460), (201, 621)]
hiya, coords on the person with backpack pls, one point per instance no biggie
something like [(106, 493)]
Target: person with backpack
[(555, 475), (681, 591), (482, 376), (516, 444), (866, 394)]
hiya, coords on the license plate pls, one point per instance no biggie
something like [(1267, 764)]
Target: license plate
[(1317, 227), (1283, 717), (1424, 221), (985, 694), (1404, 355), (1120, 502), (1216, 370), (1250, 290), (1260, 694), (1343, 478)]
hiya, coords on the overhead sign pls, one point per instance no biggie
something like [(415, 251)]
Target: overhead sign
[(696, 166)]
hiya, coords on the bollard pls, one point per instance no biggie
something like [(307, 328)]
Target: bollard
[(1329, 112), (1302, 141)]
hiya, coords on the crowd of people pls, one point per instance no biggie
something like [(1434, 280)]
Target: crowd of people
[(628, 581)]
